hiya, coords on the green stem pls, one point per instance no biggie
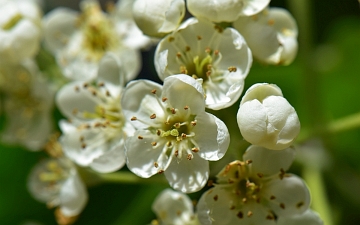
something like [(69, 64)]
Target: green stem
[(320, 203), (130, 178)]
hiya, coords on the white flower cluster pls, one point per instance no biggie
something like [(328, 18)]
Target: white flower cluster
[(112, 120)]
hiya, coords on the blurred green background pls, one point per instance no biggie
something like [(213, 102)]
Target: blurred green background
[(322, 84)]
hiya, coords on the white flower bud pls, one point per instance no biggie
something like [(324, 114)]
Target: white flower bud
[(225, 10), (266, 118), (158, 17)]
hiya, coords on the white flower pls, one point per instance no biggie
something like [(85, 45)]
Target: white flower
[(158, 17), (255, 191), (95, 136), (174, 208), (220, 57), (28, 105), (266, 118), (80, 41), (175, 135), (271, 35), (309, 217), (225, 10), (20, 30), (56, 182)]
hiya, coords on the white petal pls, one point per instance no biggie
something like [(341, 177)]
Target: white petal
[(261, 162), (183, 90), (173, 207), (111, 72), (188, 175), (143, 158), (73, 196), (260, 91), (59, 25), (111, 160), (252, 7), (212, 136), (309, 217), (138, 100), (292, 196)]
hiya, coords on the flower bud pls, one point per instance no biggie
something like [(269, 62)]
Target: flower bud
[(266, 118), (158, 17)]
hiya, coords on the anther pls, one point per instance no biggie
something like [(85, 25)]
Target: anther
[(272, 197), (249, 214), (216, 52), (82, 138), (299, 204), (158, 132), (170, 39), (260, 175), (282, 205), (176, 153), (107, 93), (186, 107), (156, 164), (271, 22), (216, 197), (210, 183), (187, 48), (232, 69), (153, 116), (244, 200), (153, 91), (232, 207), (77, 88), (207, 50), (164, 99), (140, 137), (208, 73), (240, 215), (101, 84), (183, 135), (133, 118), (195, 150), (178, 54), (83, 145), (85, 85), (193, 123), (161, 171), (169, 144), (177, 125), (199, 38), (173, 110), (153, 143), (189, 157), (249, 161)]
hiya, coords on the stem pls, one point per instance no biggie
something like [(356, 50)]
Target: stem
[(320, 203), (130, 178)]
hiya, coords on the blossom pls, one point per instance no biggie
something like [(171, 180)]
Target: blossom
[(271, 35), (27, 105), (174, 208), (225, 10), (255, 191), (20, 30), (160, 17), (80, 41), (309, 217), (174, 134), (266, 118), (56, 182), (95, 134), (220, 57)]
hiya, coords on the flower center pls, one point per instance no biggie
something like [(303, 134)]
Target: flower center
[(99, 33)]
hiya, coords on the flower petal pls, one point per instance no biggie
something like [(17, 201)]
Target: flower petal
[(309, 217), (212, 136), (188, 175)]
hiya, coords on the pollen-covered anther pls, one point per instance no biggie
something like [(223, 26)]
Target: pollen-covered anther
[(186, 107), (189, 156), (199, 38), (153, 91), (207, 50), (260, 175), (232, 69), (271, 22), (176, 153), (210, 183), (240, 215), (178, 54), (173, 110), (183, 70), (77, 89), (153, 143), (270, 217), (193, 123), (187, 48), (177, 125), (153, 116), (183, 135), (140, 137), (272, 197), (195, 149), (133, 118), (83, 145), (216, 197), (169, 144), (244, 200), (161, 171), (107, 93), (249, 214), (249, 161), (298, 205), (85, 85), (164, 99), (156, 164), (216, 52), (101, 84), (158, 132)]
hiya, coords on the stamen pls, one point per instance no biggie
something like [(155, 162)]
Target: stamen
[(153, 116), (153, 91)]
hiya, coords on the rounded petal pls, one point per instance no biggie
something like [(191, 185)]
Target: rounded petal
[(309, 217), (73, 196), (173, 207), (261, 163), (260, 91), (111, 160), (213, 138), (183, 90), (292, 197), (252, 7), (144, 159), (188, 175)]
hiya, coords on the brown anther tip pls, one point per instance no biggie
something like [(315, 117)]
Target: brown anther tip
[(232, 207), (85, 85), (195, 150), (170, 39), (173, 110), (271, 22), (107, 93), (94, 92), (210, 183), (270, 217), (153, 143), (101, 84), (186, 107), (156, 164), (153, 91), (161, 171), (133, 118), (153, 116), (244, 200), (140, 137), (176, 153), (240, 215), (249, 214), (75, 111), (208, 73), (187, 48), (183, 135), (249, 161), (282, 205), (193, 123), (232, 69), (216, 197), (164, 99), (178, 54), (77, 88), (199, 38), (189, 157), (260, 175), (208, 50), (83, 145), (158, 132), (299, 204), (272, 197), (216, 52)]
